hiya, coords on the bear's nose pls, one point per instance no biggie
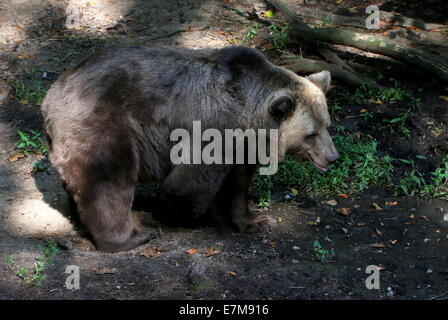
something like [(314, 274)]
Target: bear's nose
[(332, 158)]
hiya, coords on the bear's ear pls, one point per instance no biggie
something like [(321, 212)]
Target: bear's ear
[(232, 59), (321, 79), (282, 108)]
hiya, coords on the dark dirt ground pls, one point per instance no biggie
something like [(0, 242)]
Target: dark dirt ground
[(277, 265)]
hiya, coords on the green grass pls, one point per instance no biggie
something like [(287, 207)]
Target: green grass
[(279, 35), (321, 253), (31, 141), (399, 124), (252, 31), (415, 182), (36, 275), (30, 89), (359, 167), (262, 186), (391, 96)]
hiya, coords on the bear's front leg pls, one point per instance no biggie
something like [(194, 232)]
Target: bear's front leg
[(234, 197)]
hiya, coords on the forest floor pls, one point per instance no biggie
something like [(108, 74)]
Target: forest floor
[(322, 242)]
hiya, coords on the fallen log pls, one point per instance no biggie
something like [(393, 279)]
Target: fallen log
[(387, 19), (432, 63), (299, 64)]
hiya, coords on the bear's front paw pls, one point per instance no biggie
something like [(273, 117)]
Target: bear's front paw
[(261, 223)]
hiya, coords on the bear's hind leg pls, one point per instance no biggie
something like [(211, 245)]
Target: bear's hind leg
[(106, 212), (101, 181)]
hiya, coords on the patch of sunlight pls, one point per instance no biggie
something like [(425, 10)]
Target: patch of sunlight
[(34, 217)]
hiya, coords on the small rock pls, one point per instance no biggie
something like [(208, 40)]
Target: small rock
[(197, 273), (426, 240), (429, 271), (445, 217), (287, 197), (295, 248), (198, 269)]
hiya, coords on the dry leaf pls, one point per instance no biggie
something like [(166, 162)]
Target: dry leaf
[(151, 252), (378, 232), (192, 251), (360, 224), (344, 211), (424, 218), (376, 206), (412, 216), (393, 242), (343, 195), (101, 271), (378, 245), (331, 202), (272, 243), (15, 157), (444, 98), (211, 251), (391, 203), (232, 273), (294, 191), (269, 14)]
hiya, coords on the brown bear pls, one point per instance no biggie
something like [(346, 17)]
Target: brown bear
[(109, 122)]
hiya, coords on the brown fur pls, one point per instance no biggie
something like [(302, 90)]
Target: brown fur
[(109, 122)]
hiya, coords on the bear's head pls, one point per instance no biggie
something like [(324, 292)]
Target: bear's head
[(295, 104), (303, 130)]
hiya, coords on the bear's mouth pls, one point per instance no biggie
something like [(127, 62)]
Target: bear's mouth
[(301, 156), (317, 165)]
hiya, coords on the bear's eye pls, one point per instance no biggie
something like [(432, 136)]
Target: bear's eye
[(311, 135)]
